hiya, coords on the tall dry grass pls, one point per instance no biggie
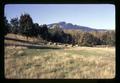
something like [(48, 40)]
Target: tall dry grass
[(69, 63)]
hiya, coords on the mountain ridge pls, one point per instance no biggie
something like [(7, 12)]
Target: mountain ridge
[(65, 25)]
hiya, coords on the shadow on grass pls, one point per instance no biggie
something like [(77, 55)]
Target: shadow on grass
[(33, 46), (42, 47), (23, 41)]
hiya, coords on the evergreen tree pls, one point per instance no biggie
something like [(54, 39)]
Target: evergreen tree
[(26, 25), (14, 25), (6, 26)]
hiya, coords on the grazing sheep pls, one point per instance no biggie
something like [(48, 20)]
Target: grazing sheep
[(69, 46), (76, 45), (49, 43), (54, 43)]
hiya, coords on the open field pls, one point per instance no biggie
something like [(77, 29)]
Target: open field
[(73, 62)]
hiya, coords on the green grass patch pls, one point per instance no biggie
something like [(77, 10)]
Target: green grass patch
[(38, 51), (83, 52)]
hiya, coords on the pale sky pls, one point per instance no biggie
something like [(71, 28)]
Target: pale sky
[(99, 16)]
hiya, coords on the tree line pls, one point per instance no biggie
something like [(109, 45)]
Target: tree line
[(25, 26), (92, 38)]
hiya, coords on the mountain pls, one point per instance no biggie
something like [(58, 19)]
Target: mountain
[(65, 25)]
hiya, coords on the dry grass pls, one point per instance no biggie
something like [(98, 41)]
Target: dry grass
[(20, 37), (69, 62), (74, 62)]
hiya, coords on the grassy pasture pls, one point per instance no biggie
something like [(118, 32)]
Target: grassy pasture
[(73, 62)]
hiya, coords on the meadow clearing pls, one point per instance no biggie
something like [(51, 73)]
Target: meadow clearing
[(63, 63)]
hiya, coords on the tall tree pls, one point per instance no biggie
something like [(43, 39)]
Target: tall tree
[(14, 25), (109, 38), (44, 31), (26, 25), (35, 30), (6, 27)]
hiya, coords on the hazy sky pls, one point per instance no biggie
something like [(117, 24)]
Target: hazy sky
[(99, 16)]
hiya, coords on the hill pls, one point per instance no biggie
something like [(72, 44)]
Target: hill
[(69, 26)]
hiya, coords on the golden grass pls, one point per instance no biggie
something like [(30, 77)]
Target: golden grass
[(24, 38), (73, 63)]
